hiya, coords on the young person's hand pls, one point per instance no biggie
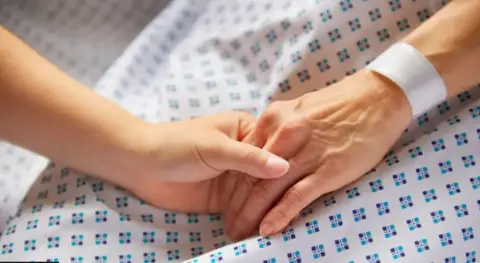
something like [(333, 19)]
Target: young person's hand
[(184, 165), (173, 165)]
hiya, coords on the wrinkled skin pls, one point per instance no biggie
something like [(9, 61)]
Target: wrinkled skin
[(331, 137)]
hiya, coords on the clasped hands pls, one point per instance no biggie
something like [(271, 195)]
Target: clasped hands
[(330, 138)]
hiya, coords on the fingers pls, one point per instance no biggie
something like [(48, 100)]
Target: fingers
[(328, 177), (289, 139), (284, 141), (254, 205), (246, 210), (235, 124), (287, 209), (250, 160), (238, 185), (254, 162), (243, 183), (243, 189)]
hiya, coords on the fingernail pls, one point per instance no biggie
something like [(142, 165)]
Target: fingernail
[(266, 230), (278, 165)]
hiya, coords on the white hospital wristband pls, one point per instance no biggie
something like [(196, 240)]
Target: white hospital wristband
[(414, 74)]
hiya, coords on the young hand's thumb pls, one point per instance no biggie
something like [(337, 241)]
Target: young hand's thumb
[(251, 160)]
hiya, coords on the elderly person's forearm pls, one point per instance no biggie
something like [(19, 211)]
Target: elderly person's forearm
[(450, 40)]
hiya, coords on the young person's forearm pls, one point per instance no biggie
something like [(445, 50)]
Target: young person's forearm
[(451, 41), (46, 111)]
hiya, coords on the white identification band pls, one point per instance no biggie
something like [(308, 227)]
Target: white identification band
[(414, 74)]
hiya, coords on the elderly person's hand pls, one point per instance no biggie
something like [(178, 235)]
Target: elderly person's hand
[(335, 135), (331, 137)]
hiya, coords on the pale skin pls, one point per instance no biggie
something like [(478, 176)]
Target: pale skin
[(333, 136), (46, 111)]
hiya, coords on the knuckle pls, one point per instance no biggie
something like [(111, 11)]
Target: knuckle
[(306, 162), (334, 165), (272, 113), (292, 201), (289, 128), (282, 213), (295, 197), (281, 115), (269, 119), (294, 125)]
